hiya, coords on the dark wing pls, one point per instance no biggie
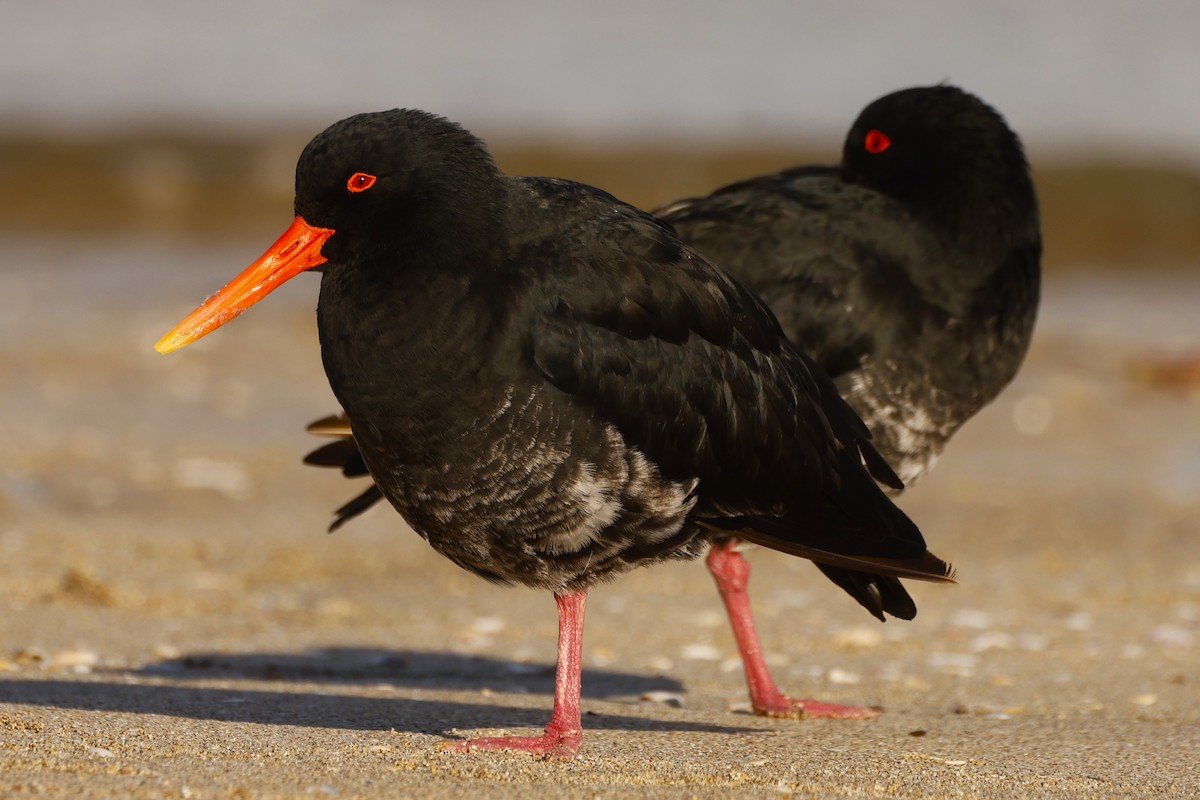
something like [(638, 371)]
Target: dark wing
[(831, 259), (694, 371)]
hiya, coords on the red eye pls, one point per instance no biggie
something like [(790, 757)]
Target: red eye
[(360, 182), (876, 141)]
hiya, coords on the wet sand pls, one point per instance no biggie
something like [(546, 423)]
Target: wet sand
[(176, 622)]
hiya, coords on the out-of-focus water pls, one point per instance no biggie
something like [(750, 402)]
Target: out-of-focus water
[(1071, 75)]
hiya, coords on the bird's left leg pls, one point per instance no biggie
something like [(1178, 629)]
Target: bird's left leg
[(731, 571)]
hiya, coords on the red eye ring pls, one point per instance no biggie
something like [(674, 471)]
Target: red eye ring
[(361, 181), (876, 141)]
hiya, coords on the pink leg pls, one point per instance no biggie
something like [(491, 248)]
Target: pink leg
[(564, 734), (731, 571)]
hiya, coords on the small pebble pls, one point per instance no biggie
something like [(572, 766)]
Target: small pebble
[(226, 477), (971, 618), (842, 676), (701, 652), (989, 711), (487, 625), (660, 664), (1079, 621), (166, 651), (1144, 699), (75, 658), (858, 636), (1172, 635), (673, 699), (991, 640)]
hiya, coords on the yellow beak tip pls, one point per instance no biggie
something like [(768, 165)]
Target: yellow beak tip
[(298, 249), (168, 344)]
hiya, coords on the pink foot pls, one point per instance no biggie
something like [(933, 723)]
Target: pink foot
[(732, 574), (783, 707), (564, 733), (554, 743)]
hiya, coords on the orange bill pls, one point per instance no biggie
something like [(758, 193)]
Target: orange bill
[(297, 250)]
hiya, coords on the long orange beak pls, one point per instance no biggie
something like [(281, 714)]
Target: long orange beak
[(297, 250)]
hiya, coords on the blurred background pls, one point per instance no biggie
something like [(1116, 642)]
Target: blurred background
[(169, 117), (146, 156), (153, 510)]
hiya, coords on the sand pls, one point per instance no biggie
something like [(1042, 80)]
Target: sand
[(175, 622)]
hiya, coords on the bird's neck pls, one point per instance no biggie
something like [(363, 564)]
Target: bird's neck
[(405, 350)]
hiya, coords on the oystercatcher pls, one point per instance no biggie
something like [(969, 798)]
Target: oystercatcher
[(910, 272), (552, 389)]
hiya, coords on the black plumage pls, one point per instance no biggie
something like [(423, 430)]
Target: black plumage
[(910, 274), (551, 388), (583, 325)]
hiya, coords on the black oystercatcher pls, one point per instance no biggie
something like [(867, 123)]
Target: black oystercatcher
[(910, 272), (552, 389)]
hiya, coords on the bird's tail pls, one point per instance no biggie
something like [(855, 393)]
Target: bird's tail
[(343, 454)]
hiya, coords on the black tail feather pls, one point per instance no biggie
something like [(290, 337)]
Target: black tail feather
[(876, 593), (342, 454), (358, 505)]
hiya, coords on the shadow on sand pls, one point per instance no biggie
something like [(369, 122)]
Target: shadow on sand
[(381, 670), (419, 669)]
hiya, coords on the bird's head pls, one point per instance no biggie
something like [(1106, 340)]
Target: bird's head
[(935, 148), (371, 184)]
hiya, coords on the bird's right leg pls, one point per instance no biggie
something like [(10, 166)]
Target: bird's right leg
[(731, 571)]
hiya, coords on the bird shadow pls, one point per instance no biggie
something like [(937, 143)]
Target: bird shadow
[(418, 669), (381, 670), (304, 709)]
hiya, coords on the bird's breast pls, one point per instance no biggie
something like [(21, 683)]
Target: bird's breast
[(535, 491)]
